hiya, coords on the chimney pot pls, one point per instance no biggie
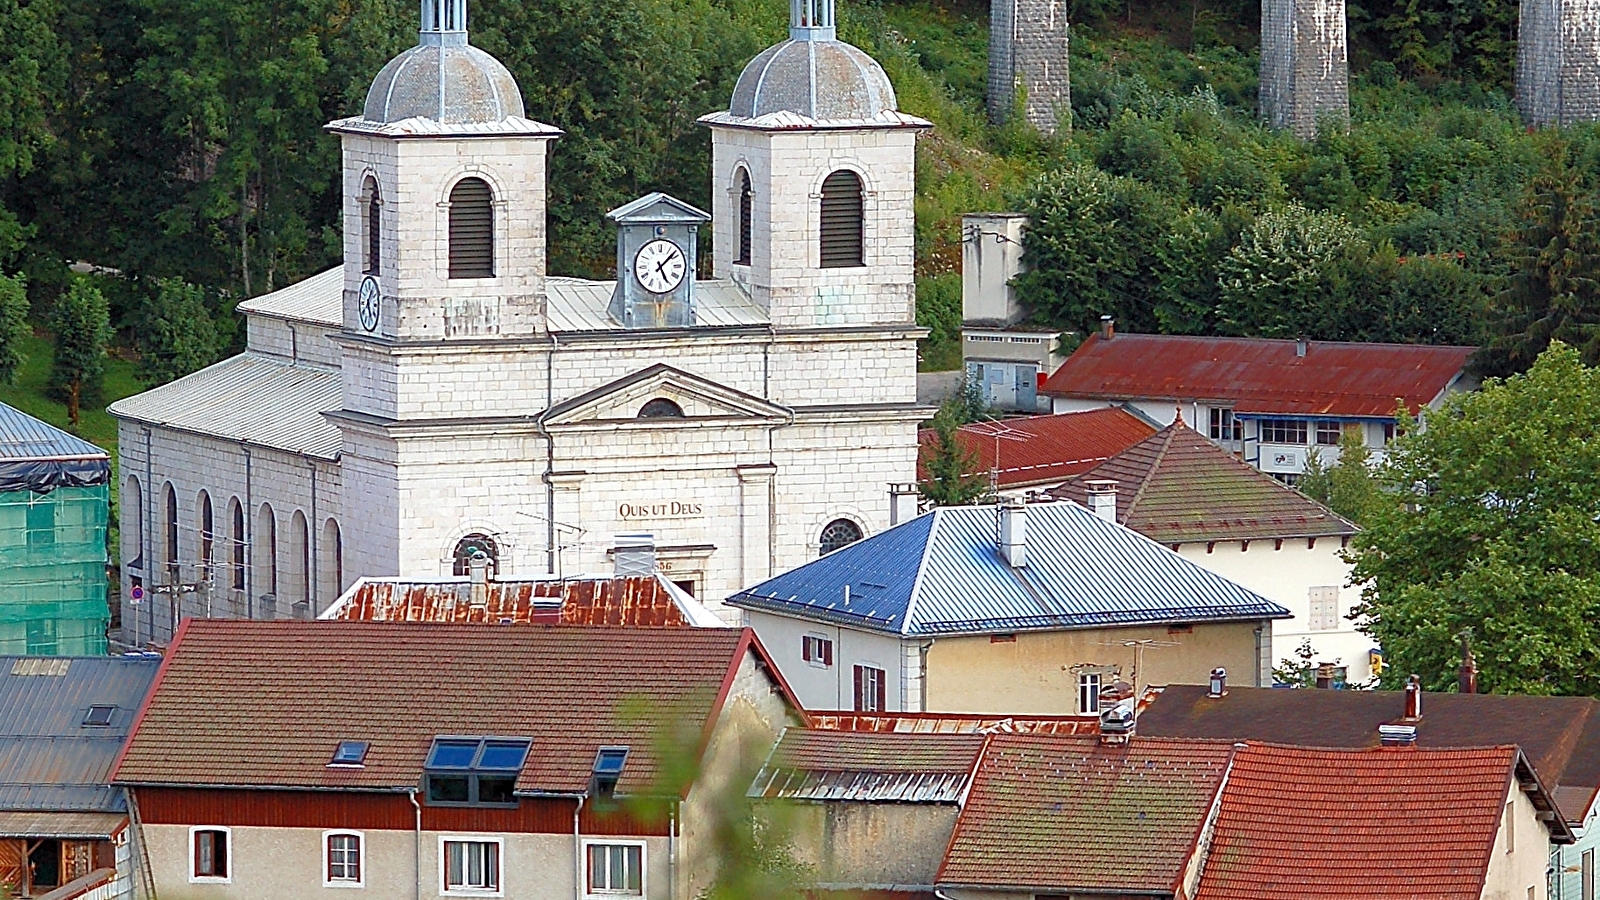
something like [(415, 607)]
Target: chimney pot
[(1116, 724), (1013, 537), (1397, 735), (635, 554), (1102, 498), (903, 500), (1108, 328), (1219, 683), (1413, 698)]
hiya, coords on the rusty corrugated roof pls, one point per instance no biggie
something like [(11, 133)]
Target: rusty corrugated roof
[(952, 723), (1258, 376), (632, 600), (1045, 449)]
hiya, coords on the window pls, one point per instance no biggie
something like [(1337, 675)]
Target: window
[(470, 867), (98, 716), (41, 637), (616, 869), (745, 209), (1283, 431), (41, 521), (661, 408), (209, 850), (1586, 876), (1224, 427), (471, 546), (133, 523), (869, 689), (238, 545), (172, 535), (1324, 608), (207, 534), (374, 213), (1511, 827), (471, 229), (472, 771), (266, 562), (841, 220), (1388, 433), (1089, 692), (350, 753), (838, 533), (608, 763), (344, 859), (817, 650), (1328, 432)]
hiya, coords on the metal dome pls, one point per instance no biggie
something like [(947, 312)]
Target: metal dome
[(450, 84), (819, 79)]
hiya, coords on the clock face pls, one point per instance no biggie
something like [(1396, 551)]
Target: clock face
[(369, 303), (660, 266)]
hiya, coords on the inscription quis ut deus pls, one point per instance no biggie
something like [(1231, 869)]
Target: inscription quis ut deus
[(665, 509)]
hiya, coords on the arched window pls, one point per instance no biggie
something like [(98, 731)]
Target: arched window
[(265, 563), (661, 408), (841, 220), (207, 533), (133, 524), (374, 214), (170, 526), (744, 218), (471, 546), (838, 533), (299, 586), (471, 229), (330, 570), (237, 514)]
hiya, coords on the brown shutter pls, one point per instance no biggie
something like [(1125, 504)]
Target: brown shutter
[(744, 218), (841, 220), (880, 705), (471, 230), (859, 695)]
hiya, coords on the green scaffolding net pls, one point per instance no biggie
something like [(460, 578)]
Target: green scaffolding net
[(53, 571)]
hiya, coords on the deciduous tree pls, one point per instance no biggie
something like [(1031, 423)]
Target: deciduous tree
[(13, 325), (82, 324), (180, 336)]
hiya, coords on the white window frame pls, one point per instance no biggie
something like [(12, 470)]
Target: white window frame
[(644, 868), (361, 860), (444, 866), (227, 856), (1084, 680)]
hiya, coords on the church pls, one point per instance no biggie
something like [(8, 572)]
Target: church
[(440, 396)]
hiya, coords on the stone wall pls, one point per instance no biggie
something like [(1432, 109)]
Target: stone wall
[(1558, 61), (1305, 71), (1028, 52)]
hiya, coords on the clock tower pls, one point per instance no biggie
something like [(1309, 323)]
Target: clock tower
[(656, 237)]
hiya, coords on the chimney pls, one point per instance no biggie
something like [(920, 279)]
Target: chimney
[(1413, 699), (1219, 683), (1102, 498), (1013, 537), (1300, 347), (1108, 328), (635, 554), (1467, 675), (478, 575), (903, 501), (1397, 735), (1116, 724)]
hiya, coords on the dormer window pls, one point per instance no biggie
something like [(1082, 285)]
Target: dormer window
[(352, 754), (474, 771)]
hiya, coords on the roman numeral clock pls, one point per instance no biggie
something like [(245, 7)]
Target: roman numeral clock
[(656, 237)]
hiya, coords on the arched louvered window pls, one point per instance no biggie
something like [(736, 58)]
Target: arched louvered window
[(374, 215), (841, 220), (661, 408), (472, 545), (744, 218), (471, 229), (838, 533)]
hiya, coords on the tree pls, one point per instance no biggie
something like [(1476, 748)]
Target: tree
[(13, 326), (1348, 485), (180, 334), (82, 324), (1289, 275), (1494, 529), (951, 479)]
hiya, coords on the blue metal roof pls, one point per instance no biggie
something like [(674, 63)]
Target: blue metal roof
[(49, 760), (942, 573), (24, 437)]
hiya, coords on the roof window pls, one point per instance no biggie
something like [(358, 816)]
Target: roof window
[(608, 765), (98, 716), (474, 771), (350, 753)]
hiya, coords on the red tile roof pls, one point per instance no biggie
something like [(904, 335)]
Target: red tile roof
[(1177, 487), (625, 600), (952, 723), (1047, 449), (1073, 815), (1260, 376), (1335, 824), (264, 704)]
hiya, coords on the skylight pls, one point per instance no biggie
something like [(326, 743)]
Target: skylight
[(474, 771), (98, 716), (350, 753), (505, 756), (453, 754), (609, 760)]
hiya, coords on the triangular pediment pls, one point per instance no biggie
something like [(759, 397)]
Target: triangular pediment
[(698, 398), (659, 209)]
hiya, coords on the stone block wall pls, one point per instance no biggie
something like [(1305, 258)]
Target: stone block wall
[(1028, 52), (1558, 61), (1305, 70)]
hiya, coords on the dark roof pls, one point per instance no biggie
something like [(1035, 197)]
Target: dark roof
[(38, 456), (942, 573), (1320, 824), (1559, 735), (1073, 815), (264, 704), (864, 766), (1045, 449), (1176, 486), (50, 761), (1258, 376), (622, 600)]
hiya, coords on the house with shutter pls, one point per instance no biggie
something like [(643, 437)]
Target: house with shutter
[(64, 828), (1013, 609), (299, 759)]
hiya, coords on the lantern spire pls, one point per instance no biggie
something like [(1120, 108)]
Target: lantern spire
[(810, 20), (444, 23)]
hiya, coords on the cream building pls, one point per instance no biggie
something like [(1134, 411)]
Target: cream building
[(440, 395)]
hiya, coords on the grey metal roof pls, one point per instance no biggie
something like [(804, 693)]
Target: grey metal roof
[(447, 84), (575, 304), (24, 437), (318, 299), (48, 759), (820, 80), (898, 767), (249, 398), (942, 573), (83, 825)]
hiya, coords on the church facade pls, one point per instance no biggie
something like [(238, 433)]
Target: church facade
[(440, 396)]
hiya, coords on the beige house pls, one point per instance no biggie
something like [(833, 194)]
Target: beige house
[(301, 759)]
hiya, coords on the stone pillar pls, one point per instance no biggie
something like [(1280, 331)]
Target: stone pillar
[(570, 556), (1028, 52), (1558, 61), (755, 524), (1305, 72)]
